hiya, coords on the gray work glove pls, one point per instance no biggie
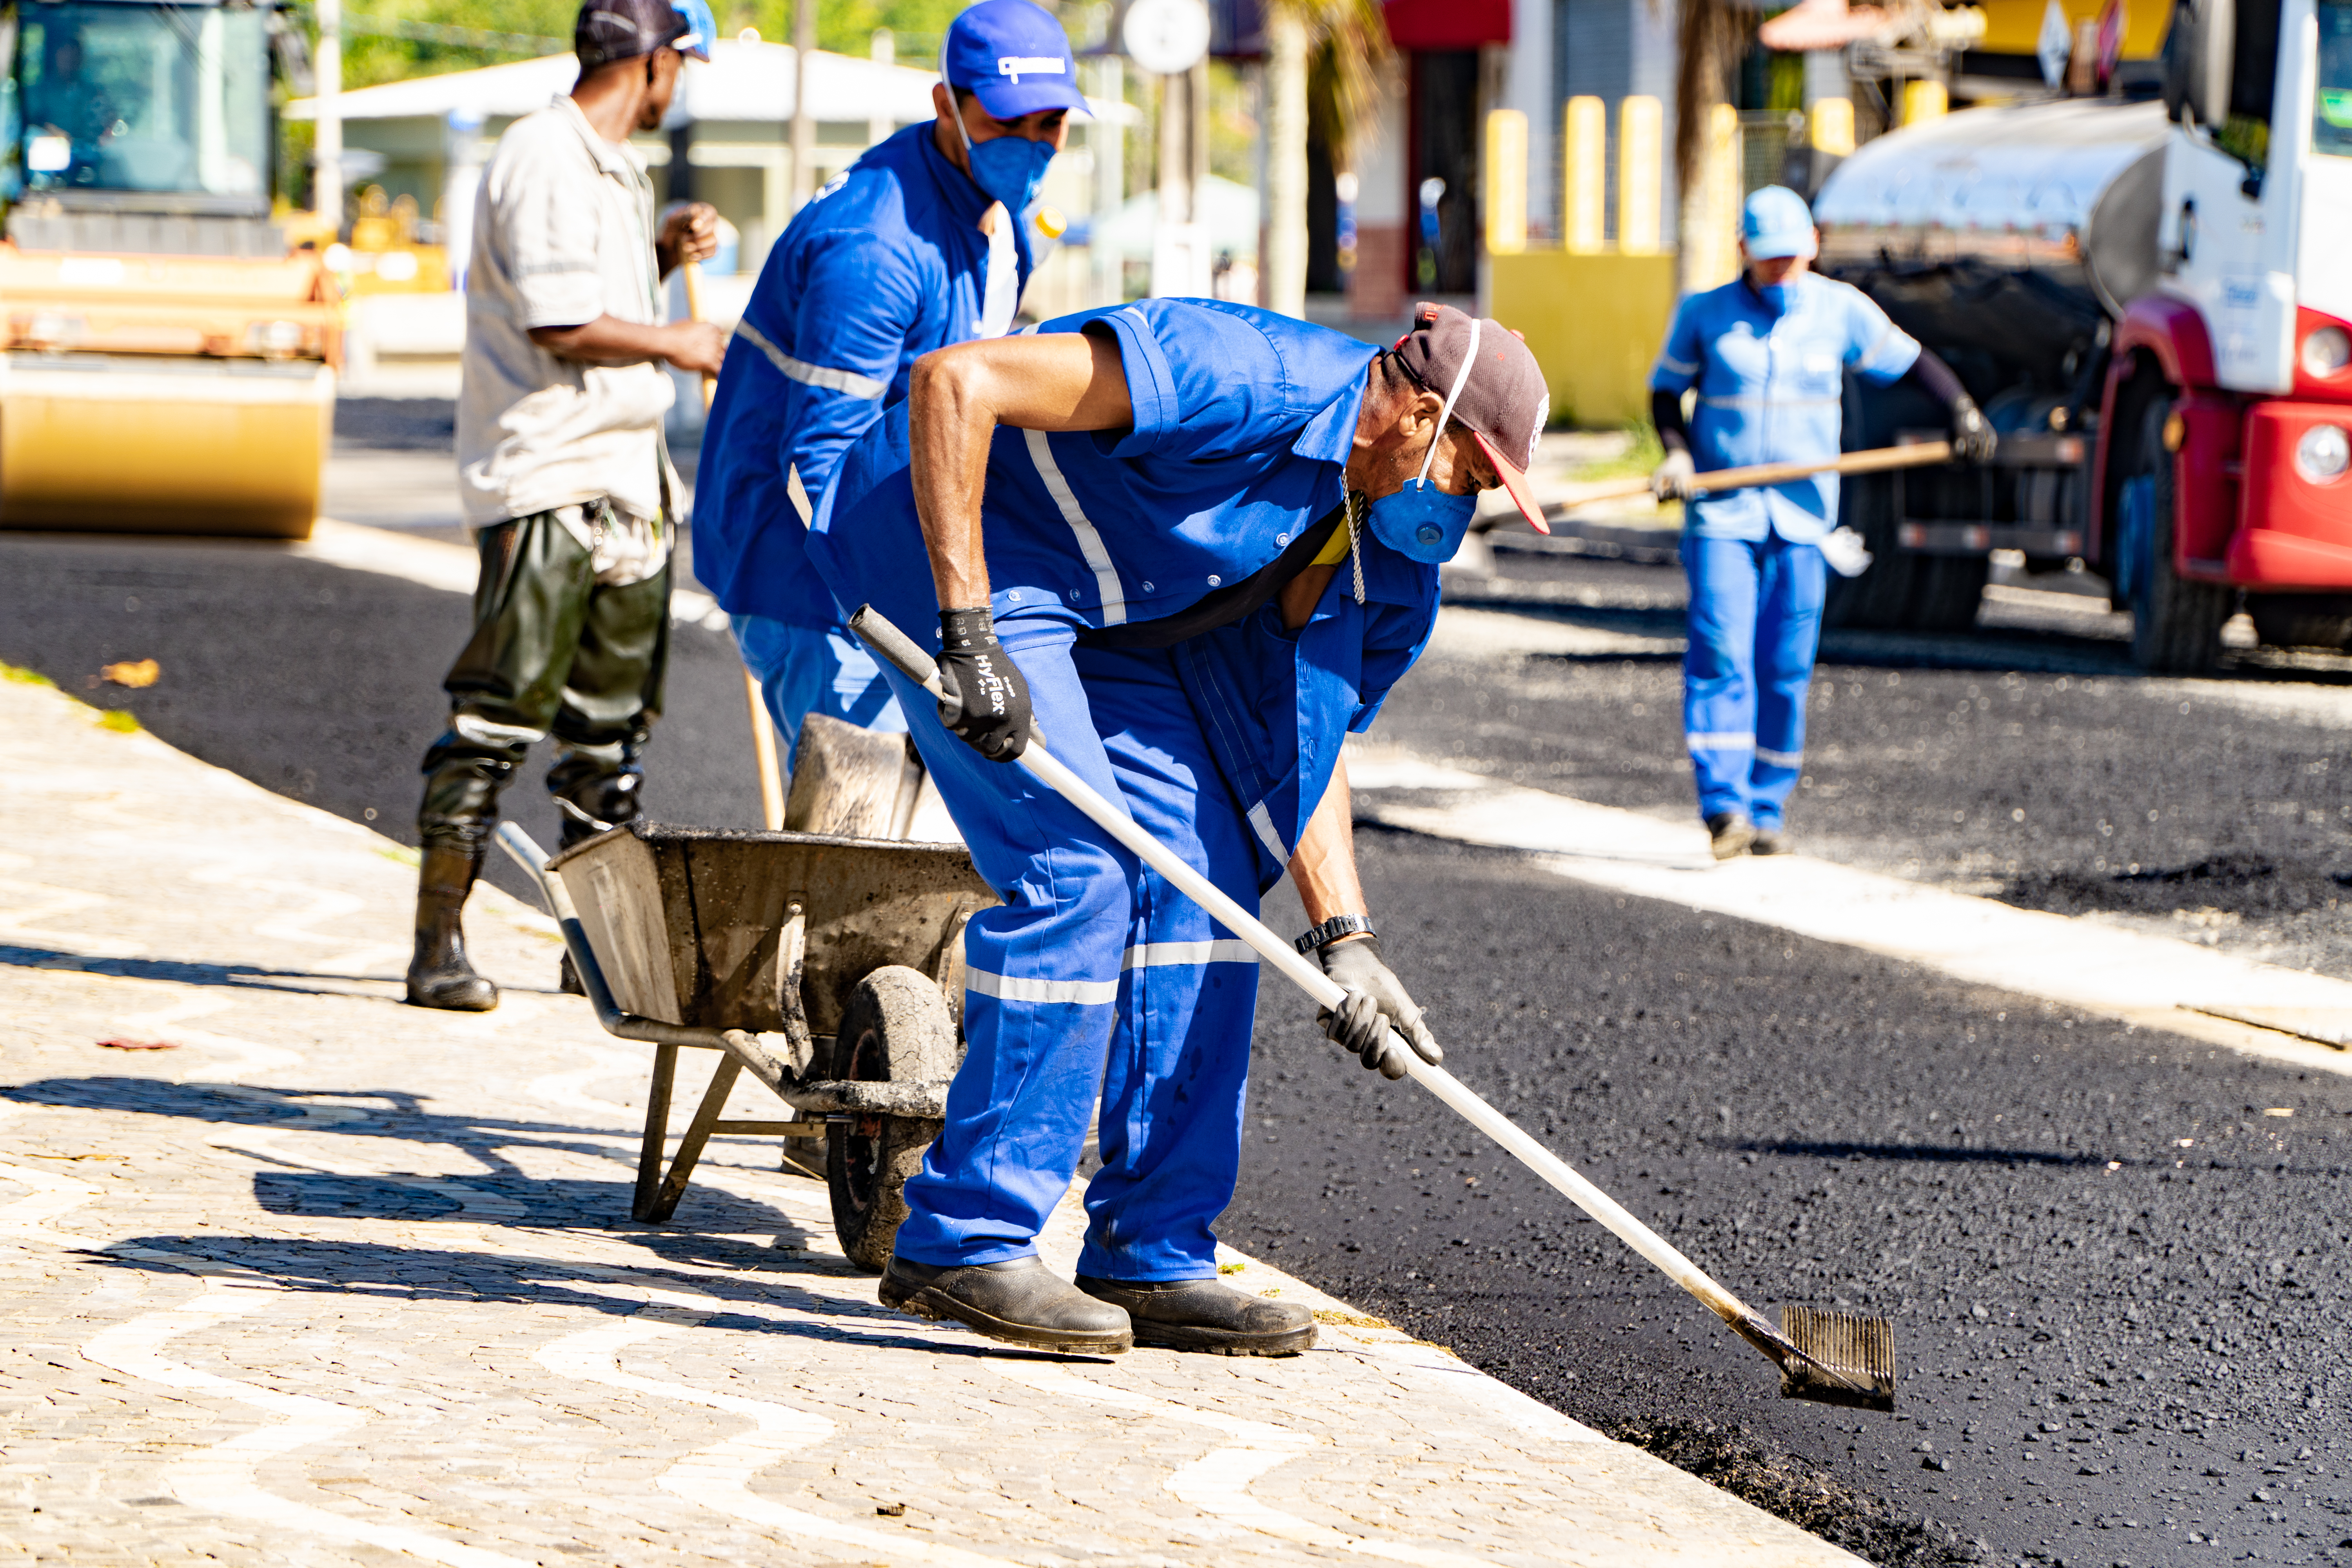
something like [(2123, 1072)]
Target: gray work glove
[(1376, 999), (1670, 480), (1973, 440)]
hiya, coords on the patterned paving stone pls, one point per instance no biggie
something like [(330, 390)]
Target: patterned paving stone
[(331, 1280)]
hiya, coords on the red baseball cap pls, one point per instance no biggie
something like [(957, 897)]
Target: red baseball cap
[(1504, 403)]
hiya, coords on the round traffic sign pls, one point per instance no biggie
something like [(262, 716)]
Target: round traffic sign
[(1166, 36)]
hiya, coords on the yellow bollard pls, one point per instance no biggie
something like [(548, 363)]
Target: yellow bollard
[(1506, 182), (1923, 102), (1641, 173), (1831, 131), (1584, 174)]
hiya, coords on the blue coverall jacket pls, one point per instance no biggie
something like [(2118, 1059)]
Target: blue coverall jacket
[(1771, 390), (881, 268)]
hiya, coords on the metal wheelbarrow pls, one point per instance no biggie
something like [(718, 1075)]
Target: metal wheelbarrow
[(846, 952)]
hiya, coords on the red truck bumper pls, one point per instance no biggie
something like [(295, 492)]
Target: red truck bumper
[(2292, 533)]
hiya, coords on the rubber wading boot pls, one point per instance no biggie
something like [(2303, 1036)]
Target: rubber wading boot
[(1772, 841), (439, 977), (1204, 1315), (1731, 833), (1016, 1301)]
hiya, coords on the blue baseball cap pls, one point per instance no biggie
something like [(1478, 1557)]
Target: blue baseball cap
[(700, 28), (1013, 57), (1776, 223)]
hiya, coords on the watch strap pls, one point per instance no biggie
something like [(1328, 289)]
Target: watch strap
[(1335, 928)]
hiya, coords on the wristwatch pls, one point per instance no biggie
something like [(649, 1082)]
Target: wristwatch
[(1335, 928)]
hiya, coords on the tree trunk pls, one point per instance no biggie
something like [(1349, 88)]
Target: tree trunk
[(1285, 163)]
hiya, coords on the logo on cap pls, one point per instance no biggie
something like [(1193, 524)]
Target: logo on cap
[(1015, 66)]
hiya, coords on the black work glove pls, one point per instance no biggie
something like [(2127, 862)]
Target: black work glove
[(1973, 440), (986, 703), (1376, 999)]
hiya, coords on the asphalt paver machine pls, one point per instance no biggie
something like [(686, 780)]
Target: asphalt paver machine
[(169, 360)]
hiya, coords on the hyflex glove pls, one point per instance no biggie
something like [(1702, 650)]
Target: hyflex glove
[(1973, 440), (987, 701), (1376, 999), (1670, 480)]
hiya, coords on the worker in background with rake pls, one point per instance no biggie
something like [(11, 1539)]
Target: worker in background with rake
[(1193, 544), (1768, 352), (921, 243)]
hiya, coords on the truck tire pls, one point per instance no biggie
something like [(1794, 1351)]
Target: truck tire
[(2301, 620), (897, 1029), (2175, 623), (1881, 597), (1947, 591)]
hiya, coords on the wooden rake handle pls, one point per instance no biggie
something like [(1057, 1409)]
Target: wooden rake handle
[(1878, 459)]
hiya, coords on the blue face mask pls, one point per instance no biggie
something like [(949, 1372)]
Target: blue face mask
[(1420, 521), (1009, 168)]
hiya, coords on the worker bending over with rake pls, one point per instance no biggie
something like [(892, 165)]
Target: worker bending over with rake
[(1768, 352), (921, 243), (565, 477), (1191, 545)]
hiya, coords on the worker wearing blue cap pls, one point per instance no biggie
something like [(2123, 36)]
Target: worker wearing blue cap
[(1767, 354), (922, 242)]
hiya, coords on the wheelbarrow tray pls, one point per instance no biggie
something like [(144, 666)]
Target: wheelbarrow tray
[(687, 923)]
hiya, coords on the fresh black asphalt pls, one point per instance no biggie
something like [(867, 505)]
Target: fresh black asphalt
[(2115, 1343)]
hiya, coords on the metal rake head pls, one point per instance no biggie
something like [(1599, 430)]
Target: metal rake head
[(1847, 1358)]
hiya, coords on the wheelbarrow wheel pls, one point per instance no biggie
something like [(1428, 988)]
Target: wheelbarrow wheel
[(896, 1028)]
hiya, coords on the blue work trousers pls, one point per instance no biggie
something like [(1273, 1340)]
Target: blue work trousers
[(1755, 623), (815, 669), (1094, 975)]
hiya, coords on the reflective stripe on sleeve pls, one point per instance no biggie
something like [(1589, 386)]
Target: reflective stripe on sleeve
[(1669, 362), (1175, 954), (1024, 988), (1090, 544), (847, 382), (1779, 759), (1703, 741)]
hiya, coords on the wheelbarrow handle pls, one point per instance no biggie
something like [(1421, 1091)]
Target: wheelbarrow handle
[(918, 665)]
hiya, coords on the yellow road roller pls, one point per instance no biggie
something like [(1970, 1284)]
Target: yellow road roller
[(170, 362)]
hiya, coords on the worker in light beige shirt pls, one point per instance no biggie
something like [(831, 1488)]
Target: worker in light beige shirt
[(561, 467)]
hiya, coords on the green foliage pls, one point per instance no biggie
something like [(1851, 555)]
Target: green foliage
[(846, 26)]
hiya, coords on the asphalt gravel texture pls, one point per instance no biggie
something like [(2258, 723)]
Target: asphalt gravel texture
[(2115, 1272)]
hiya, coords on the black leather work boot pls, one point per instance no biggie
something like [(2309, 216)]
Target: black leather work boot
[(1729, 833), (438, 975), (1017, 1301), (1204, 1315)]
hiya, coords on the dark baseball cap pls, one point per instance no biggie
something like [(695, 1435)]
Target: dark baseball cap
[(1013, 57), (612, 31), (1505, 401)]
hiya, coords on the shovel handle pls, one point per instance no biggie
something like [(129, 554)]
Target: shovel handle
[(917, 666), (689, 274), (1878, 459)]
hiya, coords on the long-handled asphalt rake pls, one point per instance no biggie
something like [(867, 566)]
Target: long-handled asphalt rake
[(1835, 1358)]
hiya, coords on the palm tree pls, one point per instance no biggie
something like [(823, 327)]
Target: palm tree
[(1713, 33), (1325, 59)]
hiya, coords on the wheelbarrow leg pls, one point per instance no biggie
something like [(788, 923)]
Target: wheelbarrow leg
[(649, 1153), (690, 1148)]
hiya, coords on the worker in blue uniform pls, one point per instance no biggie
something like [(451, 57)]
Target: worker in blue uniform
[(1193, 544), (919, 243), (1767, 354)]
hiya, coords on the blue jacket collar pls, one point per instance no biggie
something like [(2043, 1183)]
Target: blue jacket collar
[(956, 191)]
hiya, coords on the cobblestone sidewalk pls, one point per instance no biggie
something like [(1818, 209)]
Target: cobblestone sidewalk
[(295, 1274)]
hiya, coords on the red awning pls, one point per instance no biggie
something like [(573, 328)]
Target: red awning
[(1448, 23)]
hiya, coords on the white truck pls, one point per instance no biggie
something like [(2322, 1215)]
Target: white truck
[(2153, 302)]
